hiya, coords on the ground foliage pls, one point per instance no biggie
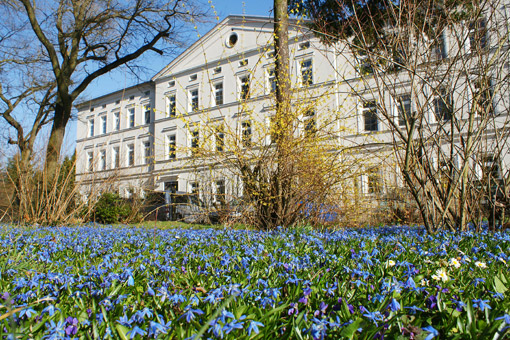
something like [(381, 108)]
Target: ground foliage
[(390, 282)]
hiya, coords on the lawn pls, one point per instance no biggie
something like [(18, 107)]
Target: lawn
[(396, 282)]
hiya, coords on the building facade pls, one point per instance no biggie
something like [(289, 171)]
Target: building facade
[(143, 138)]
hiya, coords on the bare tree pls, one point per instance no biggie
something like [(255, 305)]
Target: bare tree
[(81, 40), (439, 86)]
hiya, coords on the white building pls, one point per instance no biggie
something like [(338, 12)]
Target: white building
[(142, 137)]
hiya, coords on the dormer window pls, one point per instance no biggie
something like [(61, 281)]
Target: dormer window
[(132, 98), (193, 77), (171, 83), (304, 45), (217, 70)]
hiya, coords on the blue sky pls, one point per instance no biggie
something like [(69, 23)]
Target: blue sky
[(121, 78)]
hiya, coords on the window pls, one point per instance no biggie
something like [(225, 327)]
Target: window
[(130, 154), (483, 97), (218, 93), (102, 160), (171, 106), (271, 79), (117, 102), (171, 83), (243, 62), (91, 127), (246, 134), (220, 138), (438, 47), (147, 115), (491, 167), (115, 157), (370, 120), (132, 98), (193, 77), (231, 40), (195, 139), (404, 107), (147, 93), (306, 72), (217, 70), (220, 191), (374, 182), (103, 124), (443, 105), (244, 87), (304, 45), (478, 37), (90, 161), (364, 65), (147, 152), (270, 54), (116, 121), (193, 95), (194, 188), (309, 123), (131, 117), (170, 151)]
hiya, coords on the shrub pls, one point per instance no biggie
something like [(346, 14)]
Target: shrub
[(111, 208)]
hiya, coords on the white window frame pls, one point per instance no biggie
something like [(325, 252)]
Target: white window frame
[(147, 114), (271, 79), (147, 155), (171, 105), (90, 161), (192, 106), (246, 130), (216, 91), (363, 109), (171, 140), (104, 122), (102, 159), (116, 121), (131, 117), (91, 128), (115, 157), (130, 154), (308, 69), (242, 94)]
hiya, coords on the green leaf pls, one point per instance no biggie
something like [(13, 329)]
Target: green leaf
[(349, 331), (121, 330), (499, 286)]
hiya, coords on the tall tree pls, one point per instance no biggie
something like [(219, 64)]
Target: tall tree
[(82, 40)]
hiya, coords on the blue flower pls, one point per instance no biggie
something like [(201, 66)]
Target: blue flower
[(234, 324), (394, 305), (505, 317), (190, 314), (254, 326), (28, 312), (136, 331), (432, 332), (481, 304)]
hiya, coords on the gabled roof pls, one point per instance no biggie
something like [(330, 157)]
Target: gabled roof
[(254, 26)]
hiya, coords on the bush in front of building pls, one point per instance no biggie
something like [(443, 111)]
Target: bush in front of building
[(111, 208)]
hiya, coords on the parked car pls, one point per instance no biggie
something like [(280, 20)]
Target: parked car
[(185, 207)]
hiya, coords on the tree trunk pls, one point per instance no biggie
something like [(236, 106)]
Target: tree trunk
[(58, 129)]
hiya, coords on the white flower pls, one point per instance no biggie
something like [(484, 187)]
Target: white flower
[(424, 282), (480, 264), (390, 263), (502, 260), (440, 275), (454, 263)]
